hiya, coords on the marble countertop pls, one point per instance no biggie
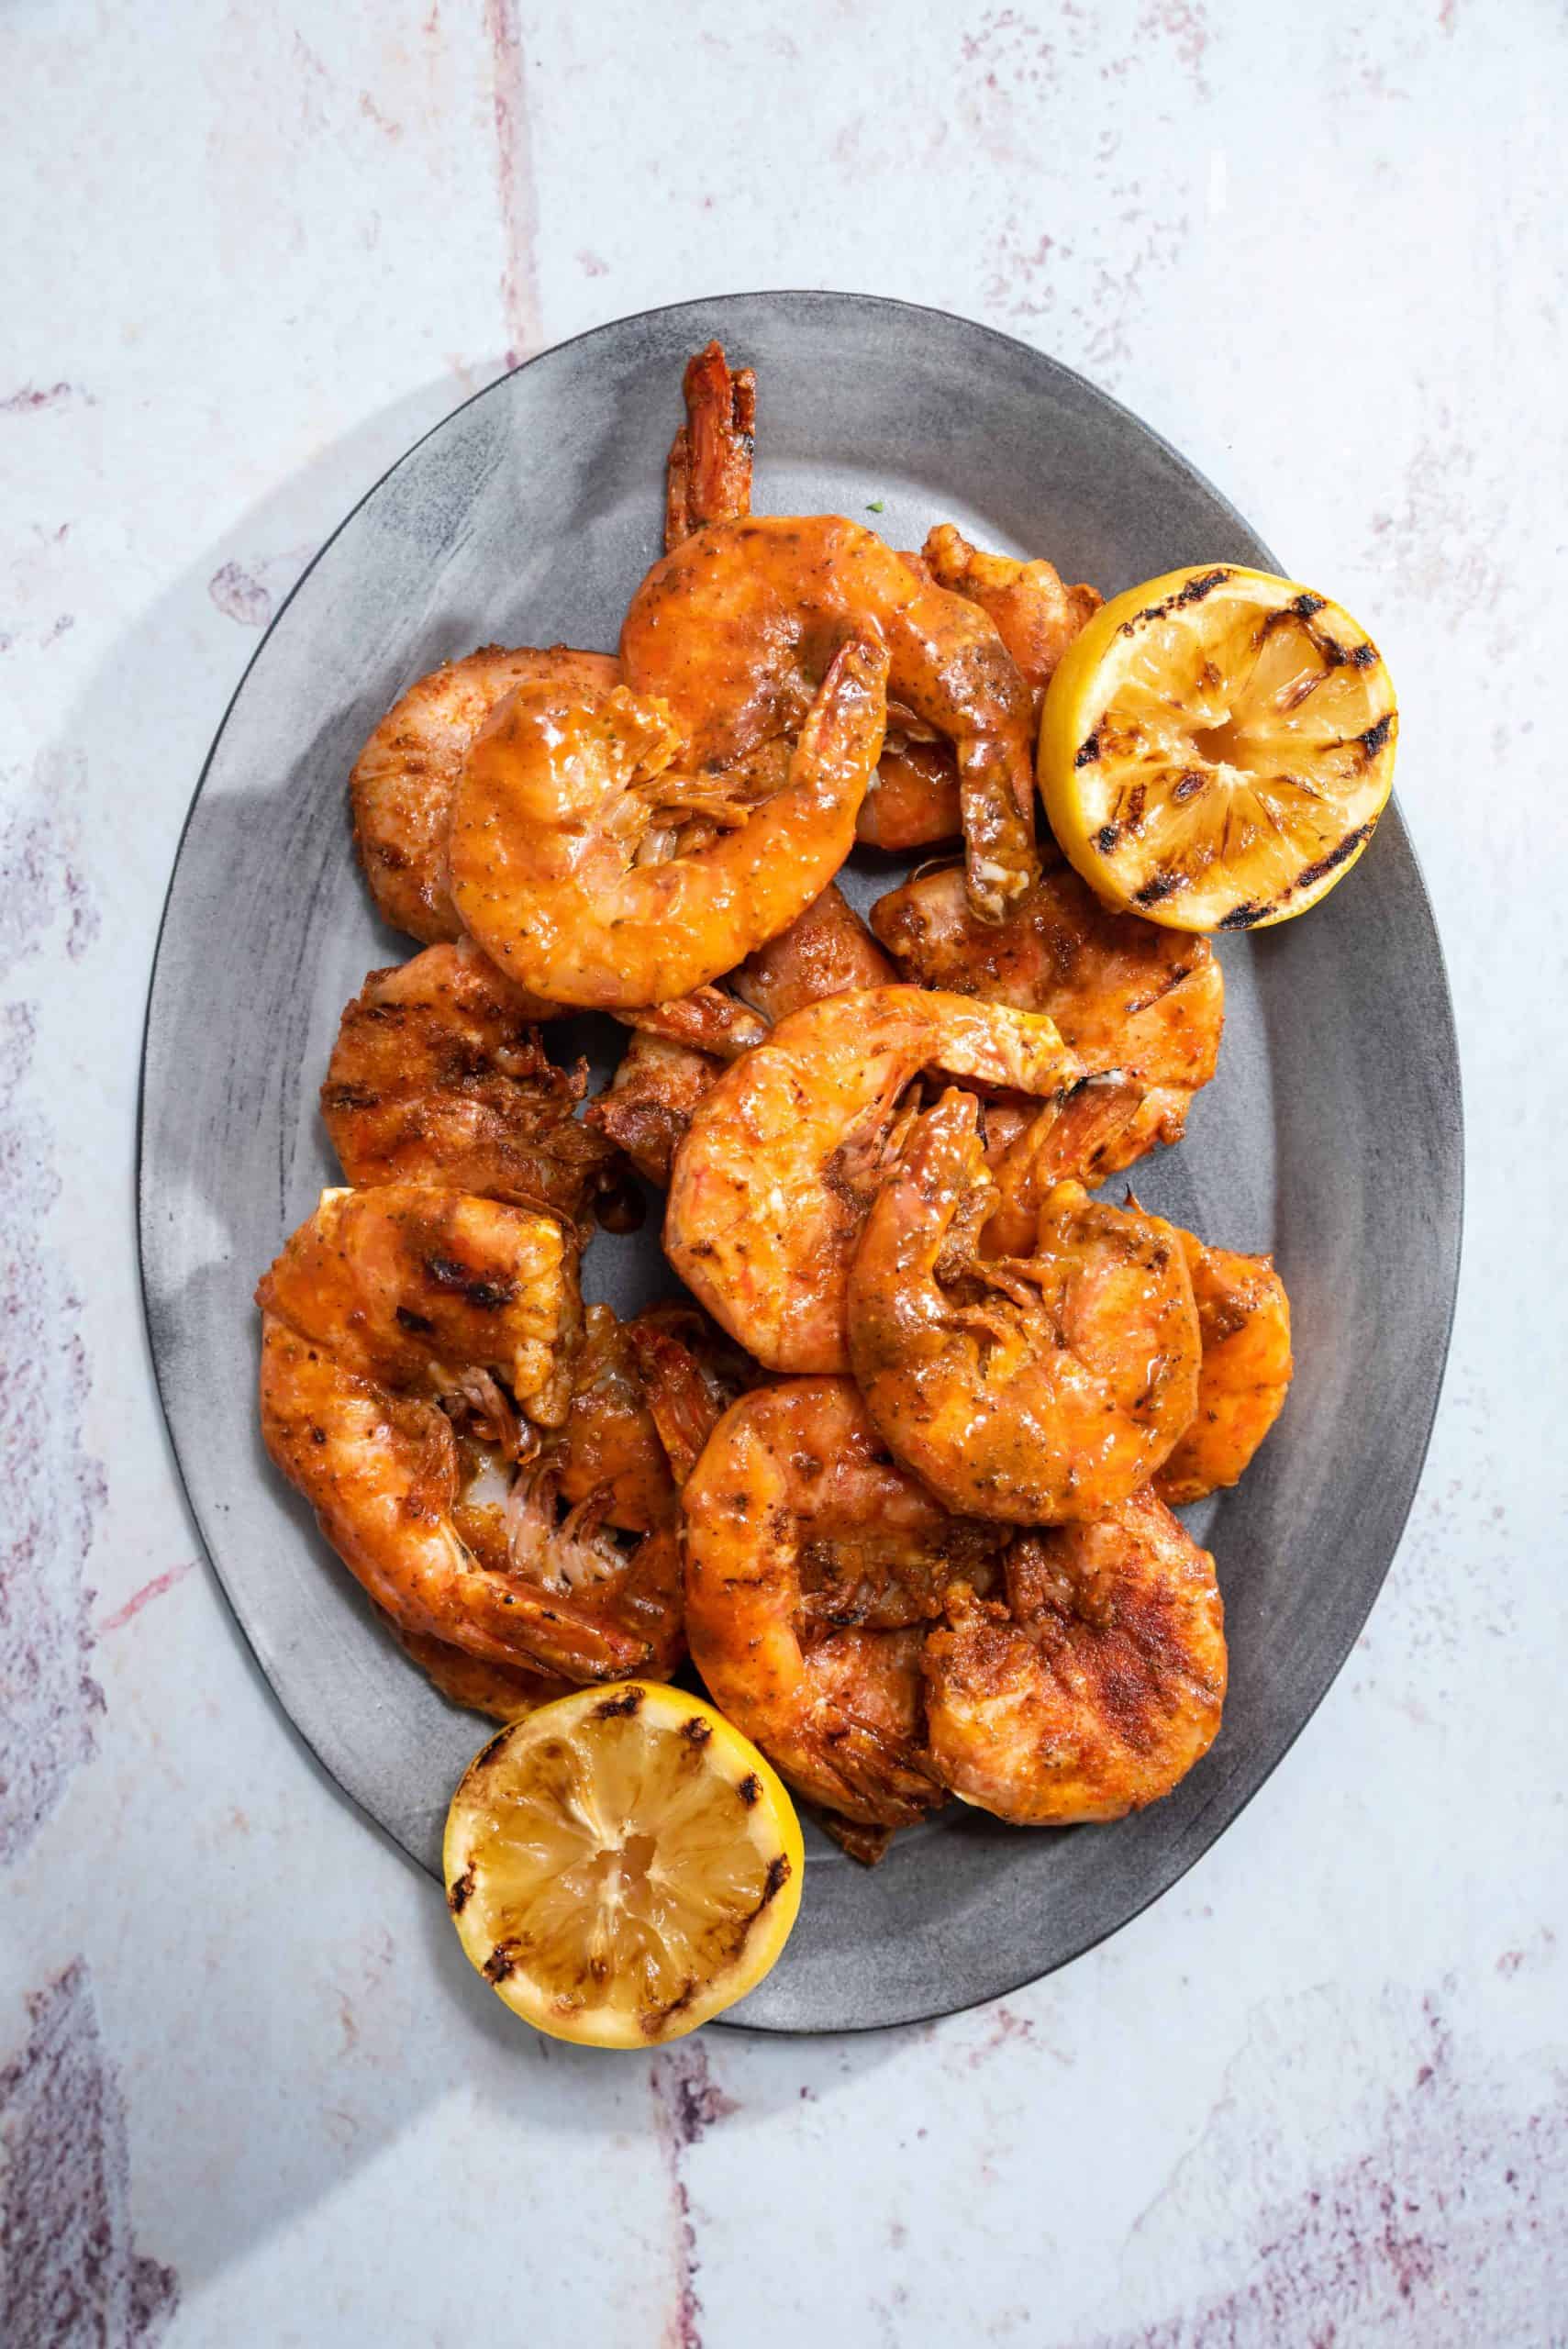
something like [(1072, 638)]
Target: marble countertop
[(249, 2090)]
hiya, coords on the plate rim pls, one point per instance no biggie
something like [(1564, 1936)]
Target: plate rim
[(1445, 1061)]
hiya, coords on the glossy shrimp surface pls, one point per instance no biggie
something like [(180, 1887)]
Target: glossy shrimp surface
[(914, 798), (660, 1080), (1092, 1687), (1032, 1388), (1037, 617), (645, 1396), (1127, 996), (708, 475), (401, 785), (649, 1101), (416, 1344), (786, 1150), (438, 1076), (734, 627), (1243, 1317), (812, 1565), (508, 1692), (569, 858)]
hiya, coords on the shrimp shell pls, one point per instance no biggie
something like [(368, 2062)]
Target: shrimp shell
[(786, 1150), (1095, 1686), (557, 797), (732, 628), (1029, 1388), (401, 785)]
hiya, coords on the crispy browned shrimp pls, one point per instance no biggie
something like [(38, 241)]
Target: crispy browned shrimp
[(508, 1692), (659, 1083), (1031, 1388), (647, 1395), (415, 1342), (401, 789), (707, 1020), (1079, 1139), (825, 950), (438, 1076), (914, 800), (1127, 995), (566, 850), (1036, 618), (649, 1102), (710, 473), (813, 1562), (735, 627), (1097, 1684), (1244, 1316), (785, 1154)]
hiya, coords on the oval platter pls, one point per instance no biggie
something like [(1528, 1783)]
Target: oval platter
[(1329, 1136)]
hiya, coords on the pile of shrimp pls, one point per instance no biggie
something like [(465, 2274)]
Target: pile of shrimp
[(897, 1474)]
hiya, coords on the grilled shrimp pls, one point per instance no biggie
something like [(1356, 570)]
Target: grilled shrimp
[(786, 1152), (813, 1563), (508, 1692), (438, 1075), (646, 1397), (1243, 1318), (1094, 1686), (1033, 1388), (401, 785), (563, 798), (708, 476), (1036, 618), (657, 1082), (1125, 996), (826, 950), (914, 798), (649, 1102), (1079, 1139), (415, 1343), (734, 627), (707, 1020)]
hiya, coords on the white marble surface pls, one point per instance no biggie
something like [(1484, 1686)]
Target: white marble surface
[(248, 2091)]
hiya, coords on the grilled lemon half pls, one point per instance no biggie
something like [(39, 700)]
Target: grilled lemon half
[(622, 1864), (1217, 747)]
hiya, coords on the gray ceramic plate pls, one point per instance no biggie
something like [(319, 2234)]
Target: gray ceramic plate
[(1331, 1134)]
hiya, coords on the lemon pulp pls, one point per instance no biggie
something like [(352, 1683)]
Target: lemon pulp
[(622, 1864), (1217, 747)]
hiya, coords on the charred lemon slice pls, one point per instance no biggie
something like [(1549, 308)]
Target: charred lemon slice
[(622, 1864), (1216, 748)]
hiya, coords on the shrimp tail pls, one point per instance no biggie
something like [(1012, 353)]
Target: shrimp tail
[(708, 477), (684, 1408)]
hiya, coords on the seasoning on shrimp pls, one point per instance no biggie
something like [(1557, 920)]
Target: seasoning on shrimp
[(708, 474), (401, 785), (1033, 1387), (645, 1396), (508, 1692), (914, 798), (1093, 1684), (1145, 1002), (659, 1081), (734, 627), (813, 1565), (1243, 1316), (571, 858), (438, 1076), (416, 1348), (786, 1152)]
